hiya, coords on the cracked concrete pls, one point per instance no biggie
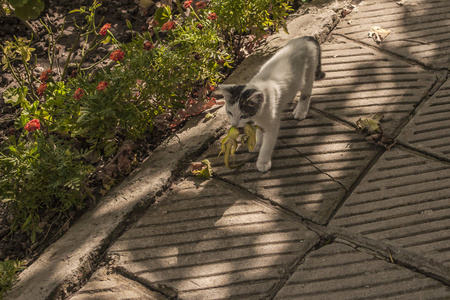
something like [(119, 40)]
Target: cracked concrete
[(335, 217)]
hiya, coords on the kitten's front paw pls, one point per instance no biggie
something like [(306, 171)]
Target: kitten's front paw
[(263, 166)]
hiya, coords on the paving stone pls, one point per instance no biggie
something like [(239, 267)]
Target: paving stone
[(209, 240), (419, 28), (429, 130), (106, 286), (338, 271), (404, 199), (315, 161), (361, 81)]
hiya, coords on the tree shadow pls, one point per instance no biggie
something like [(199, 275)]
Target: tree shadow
[(210, 240)]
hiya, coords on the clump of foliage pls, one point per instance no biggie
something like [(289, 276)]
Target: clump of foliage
[(8, 274)]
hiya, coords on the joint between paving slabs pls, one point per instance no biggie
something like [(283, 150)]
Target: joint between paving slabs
[(424, 153), (357, 181), (387, 52), (317, 168), (165, 290), (385, 251)]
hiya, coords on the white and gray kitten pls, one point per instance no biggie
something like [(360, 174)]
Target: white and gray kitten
[(293, 68)]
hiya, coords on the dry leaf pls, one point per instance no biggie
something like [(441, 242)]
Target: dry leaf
[(378, 34), (203, 169), (230, 144), (371, 127)]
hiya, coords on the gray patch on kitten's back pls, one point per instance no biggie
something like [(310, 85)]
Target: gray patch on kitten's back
[(319, 74)]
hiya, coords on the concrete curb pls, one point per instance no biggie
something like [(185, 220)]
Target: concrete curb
[(64, 265)]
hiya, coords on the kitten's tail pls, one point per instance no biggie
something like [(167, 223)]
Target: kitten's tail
[(319, 74)]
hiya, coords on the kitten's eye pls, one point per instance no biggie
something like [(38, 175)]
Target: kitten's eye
[(244, 117), (230, 114)]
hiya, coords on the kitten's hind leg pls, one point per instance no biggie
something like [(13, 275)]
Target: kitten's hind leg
[(302, 108)]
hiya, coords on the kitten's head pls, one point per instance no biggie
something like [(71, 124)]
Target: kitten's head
[(242, 103)]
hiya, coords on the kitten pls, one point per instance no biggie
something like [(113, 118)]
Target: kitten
[(262, 100)]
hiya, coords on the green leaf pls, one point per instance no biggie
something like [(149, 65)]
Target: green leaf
[(129, 24), (30, 10), (57, 101), (80, 10), (15, 96), (106, 40), (17, 3), (162, 15), (33, 236), (26, 223)]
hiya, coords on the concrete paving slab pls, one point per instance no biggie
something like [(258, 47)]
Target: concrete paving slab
[(337, 271), (314, 164), (105, 285), (429, 130), (361, 81), (419, 28), (404, 200), (210, 240)]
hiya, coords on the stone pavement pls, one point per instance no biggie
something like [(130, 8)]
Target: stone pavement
[(336, 217)]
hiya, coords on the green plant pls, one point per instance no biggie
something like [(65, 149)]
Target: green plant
[(240, 17), (41, 174), (8, 274)]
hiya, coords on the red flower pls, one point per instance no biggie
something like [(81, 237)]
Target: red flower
[(188, 3), (41, 89), (148, 46), (117, 55), (104, 29), (44, 75), (212, 16), (168, 26), (210, 88), (78, 94), (200, 4), (102, 85), (32, 125), (199, 26)]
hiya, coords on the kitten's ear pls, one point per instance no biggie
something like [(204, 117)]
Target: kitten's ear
[(226, 90), (256, 98)]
